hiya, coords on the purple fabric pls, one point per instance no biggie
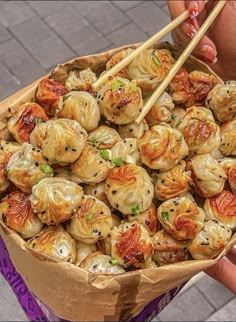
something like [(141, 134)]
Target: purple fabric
[(37, 311)]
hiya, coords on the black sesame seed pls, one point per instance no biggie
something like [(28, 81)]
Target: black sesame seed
[(73, 149), (36, 164), (172, 210), (114, 192)]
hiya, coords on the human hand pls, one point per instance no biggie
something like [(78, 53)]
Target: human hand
[(225, 271), (218, 46)]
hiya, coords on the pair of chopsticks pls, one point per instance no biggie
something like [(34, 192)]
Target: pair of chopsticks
[(179, 63)]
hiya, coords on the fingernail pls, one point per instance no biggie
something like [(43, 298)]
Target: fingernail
[(193, 9), (189, 29), (209, 54)]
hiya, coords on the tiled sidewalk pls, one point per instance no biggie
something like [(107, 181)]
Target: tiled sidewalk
[(34, 37)]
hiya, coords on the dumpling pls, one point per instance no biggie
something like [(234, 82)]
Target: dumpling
[(99, 263), (80, 80), (210, 241), (55, 199), (222, 101), (120, 100), (181, 217), (24, 121), (161, 111), (116, 59), (133, 130), (127, 151), (228, 138), (17, 214), (97, 190), (162, 147), (90, 167), (150, 68), (208, 175), (227, 163), (81, 107), (26, 167), (147, 218), (168, 250), (222, 208), (91, 222), (131, 245), (62, 140), (232, 179), (83, 250), (180, 87), (104, 137), (200, 131), (49, 95), (177, 115), (172, 183), (129, 189), (54, 242)]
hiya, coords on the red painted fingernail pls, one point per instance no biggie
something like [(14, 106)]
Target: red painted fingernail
[(189, 29), (209, 54), (193, 9)]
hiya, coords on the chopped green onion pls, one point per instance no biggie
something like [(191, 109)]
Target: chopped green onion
[(135, 209), (155, 148), (156, 60), (121, 83), (133, 85), (90, 216), (65, 97), (94, 140), (117, 162), (173, 117), (165, 215), (114, 84), (38, 180), (104, 154), (37, 120), (46, 168), (6, 171), (113, 261), (180, 138)]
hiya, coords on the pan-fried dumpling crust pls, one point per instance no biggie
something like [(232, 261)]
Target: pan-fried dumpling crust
[(127, 150), (62, 140), (24, 121), (208, 175), (210, 241), (99, 263), (131, 245), (200, 131), (83, 250), (129, 189), (116, 59), (150, 68), (90, 167), (91, 222), (97, 190), (162, 147), (147, 218), (228, 138), (55, 200), (181, 217), (80, 80), (161, 110), (16, 213), (54, 242), (232, 179), (168, 250), (180, 87), (222, 208), (49, 94), (81, 107), (222, 101), (120, 100), (133, 130), (104, 137), (27, 166), (172, 183)]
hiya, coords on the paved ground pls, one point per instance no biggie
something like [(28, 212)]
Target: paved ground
[(34, 37)]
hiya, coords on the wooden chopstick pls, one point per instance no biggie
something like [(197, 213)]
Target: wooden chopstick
[(181, 60)]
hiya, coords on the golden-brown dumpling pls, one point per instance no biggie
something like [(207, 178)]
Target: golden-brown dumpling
[(168, 250), (17, 214), (83, 250), (24, 121), (116, 59), (232, 179), (91, 167), (150, 67), (49, 95), (181, 217), (222, 208), (62, 141), (81, 80), (180, 87), (227, 163), (200, 131), (147, 218), (97, 190), (161, 111), (210, 241), (172, 183), (222, 101), (129, 189), (228, 138), (133, 130), (54, 242), (208, 175), (104, 137), (27, 166), (99, 263), (162, 147), (81, 107), (127, 151), (131, 245), (120, 100), (91, 222), (55, 199)]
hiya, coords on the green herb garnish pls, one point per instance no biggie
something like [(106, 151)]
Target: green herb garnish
[(104, 154), (156, 60), (113, 261), (155, 148), (46, 168), (180, 139), (38, 180), (117, 162), (6, 171), (165, 215), (173, 117), (37, 120), (90, 216), (66, 97), (135, 209), (133, 85)]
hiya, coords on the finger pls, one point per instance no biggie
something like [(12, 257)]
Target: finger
[(225, 273), (232, 255), (195, 7)]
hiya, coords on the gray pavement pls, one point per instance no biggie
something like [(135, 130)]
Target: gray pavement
[(37, 35)]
